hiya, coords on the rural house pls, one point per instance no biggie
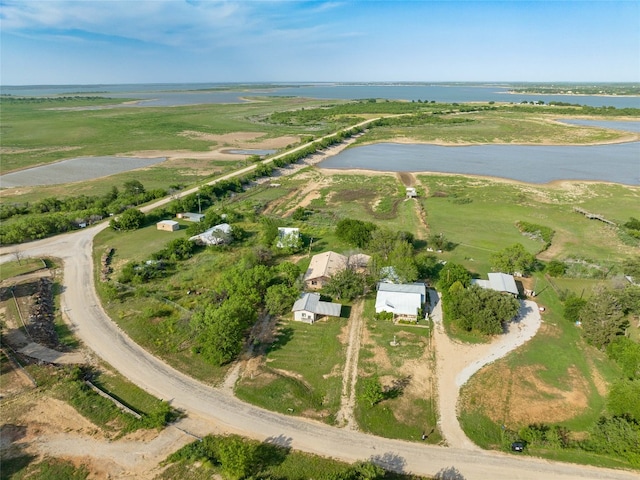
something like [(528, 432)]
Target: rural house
[(191, 217), (218, 235), (167, 225), (404, 301), (322, 267), (500, 282), (309, 308)]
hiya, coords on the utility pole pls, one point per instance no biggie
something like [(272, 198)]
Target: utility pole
[(199, 207)]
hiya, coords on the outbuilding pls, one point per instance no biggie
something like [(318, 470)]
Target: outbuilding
[(191, 217), (500, 282), (168, 225), (218, 235), (309, 308)]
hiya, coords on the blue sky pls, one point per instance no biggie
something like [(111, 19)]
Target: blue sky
[(89, 42)]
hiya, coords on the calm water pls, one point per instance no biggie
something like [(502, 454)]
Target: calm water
[(619, 163), (190, 93), (74, 170), (614, 125)]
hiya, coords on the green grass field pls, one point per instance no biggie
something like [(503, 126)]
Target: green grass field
[(303, 370)]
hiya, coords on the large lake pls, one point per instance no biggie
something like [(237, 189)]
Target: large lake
[(619, 163), (187, 94)]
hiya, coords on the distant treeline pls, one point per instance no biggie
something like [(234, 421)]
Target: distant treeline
[(7, 98), (566, 89), (420, 112)]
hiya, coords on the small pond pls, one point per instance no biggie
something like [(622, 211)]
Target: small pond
[(74, 170)]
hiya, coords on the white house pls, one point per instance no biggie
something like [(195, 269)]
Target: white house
[(288, 237), (218, 235), (402, 300), (308, 308), (500, 282)]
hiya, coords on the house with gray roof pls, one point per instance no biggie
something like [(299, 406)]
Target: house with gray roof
[(309, 308), (191, 217), (218, 235), (404, 301), (500, 282)]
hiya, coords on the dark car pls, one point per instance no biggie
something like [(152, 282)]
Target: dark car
[(517, 446)]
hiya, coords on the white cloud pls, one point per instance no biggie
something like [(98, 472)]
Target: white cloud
[(164, 22)]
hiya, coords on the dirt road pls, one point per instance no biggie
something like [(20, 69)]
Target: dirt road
[(457, 362), (345, 417)]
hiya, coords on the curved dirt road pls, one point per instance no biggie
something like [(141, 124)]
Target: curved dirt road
[(207, 404), (457, 362)]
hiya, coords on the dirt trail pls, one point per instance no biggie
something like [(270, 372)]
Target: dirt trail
[(345, 416)]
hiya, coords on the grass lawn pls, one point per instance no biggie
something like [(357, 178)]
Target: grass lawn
[(555, 378), (303, 370), (22, 267), (479, 216)]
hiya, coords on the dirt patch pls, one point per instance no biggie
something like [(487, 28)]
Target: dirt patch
[(408, 179), (519, 397)]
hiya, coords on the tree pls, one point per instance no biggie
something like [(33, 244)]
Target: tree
[(371, 392), (130, 219), (279, 298), (237, 457), (513, 259), (346, 285), (439, 242), (452, 273), (480, 309), (289, 272), (556, 268), (401, 258), (355, 232), (624, 399), (299, 214), (133, 187), (626, 353), (602, 318), (572, 307), (221, 329)]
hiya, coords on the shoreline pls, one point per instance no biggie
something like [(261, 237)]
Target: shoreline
[(558, 183)]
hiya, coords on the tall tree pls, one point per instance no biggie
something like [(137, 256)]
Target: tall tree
[(602, 318), (513, 259)]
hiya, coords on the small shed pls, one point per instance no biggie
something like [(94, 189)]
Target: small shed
[(191, 217), (500, 282), (168, 225), (308, 308)]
